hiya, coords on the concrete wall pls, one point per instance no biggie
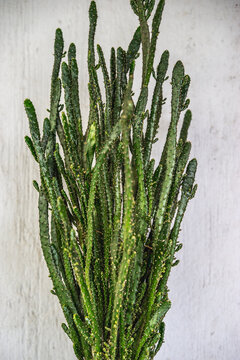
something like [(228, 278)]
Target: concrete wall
[(203, 323)]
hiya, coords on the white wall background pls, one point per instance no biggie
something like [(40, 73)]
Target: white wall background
[(203, 323)]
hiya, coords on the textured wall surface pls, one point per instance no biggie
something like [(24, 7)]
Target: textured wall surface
[(203, 323)]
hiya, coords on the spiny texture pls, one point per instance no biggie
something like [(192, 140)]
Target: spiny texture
[(109, 217)]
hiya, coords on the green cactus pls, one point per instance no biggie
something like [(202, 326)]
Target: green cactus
[(109, 218)]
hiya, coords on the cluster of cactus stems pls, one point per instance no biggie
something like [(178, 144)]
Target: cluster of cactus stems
[(109, 216)]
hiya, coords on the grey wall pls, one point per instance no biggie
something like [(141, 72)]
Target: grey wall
[(203, 323)]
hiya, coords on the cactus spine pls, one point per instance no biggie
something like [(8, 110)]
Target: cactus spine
[(109, 218)]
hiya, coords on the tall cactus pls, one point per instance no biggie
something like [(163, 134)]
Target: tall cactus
[(109, 217)]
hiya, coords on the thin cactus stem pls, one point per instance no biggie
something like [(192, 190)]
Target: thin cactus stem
[(109, 217)]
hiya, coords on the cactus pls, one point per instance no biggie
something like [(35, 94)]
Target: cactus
[(109, 217)]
